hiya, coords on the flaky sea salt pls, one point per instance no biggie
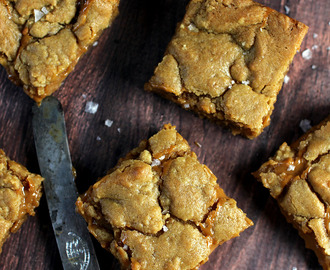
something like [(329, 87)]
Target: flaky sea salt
[(287, 9), (186, 106), (315, 35), (305, 125), (44, 10), (95, 43), (118, 129), (314, 67), (246, 82), (192, 27), (162, 157), (314, 47), (155, 162), (91, 107), (108, 122), (98, 138), (165, 229), (38, 15), (286, 79), (307, 54), (84, 96), (291, 168), (198, 144), (294, 268), (125, 247)]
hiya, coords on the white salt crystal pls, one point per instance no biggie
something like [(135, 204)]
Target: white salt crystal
[(155, 162), (44, 10), (192, 27), (95, 43), (287, 9), (314, 67), (84, 96), (98, 138), (260, 29), (186, 105), (286, 79), (314, 47), (91, 107), (305, 125), (162, 157), (246, 82), (38, 15), (232, 82), (307, 54), (108, 122), (294, 268), (125, 247), (291, 168), (315, 35), (165, 229), (118, 129)]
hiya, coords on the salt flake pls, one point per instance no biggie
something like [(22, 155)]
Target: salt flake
[(314, 67), (91, 107), (315, 35), (307, 54), (108, 122), (287, 9), (286, 79), (38, 15), (305, 125), (246, 82), (44, 10), (162, 157), (118, 129), (165, 229), (95, 43), (291, 168), (314, 47), (192, 27), (98, 138), (155, 162), (186, 106), (125, 247)]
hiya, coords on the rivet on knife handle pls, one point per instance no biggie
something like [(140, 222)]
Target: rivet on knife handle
[(72, 237)]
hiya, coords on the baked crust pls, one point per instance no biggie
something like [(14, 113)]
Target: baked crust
[(298, 177), (227, 62), (20, 192), (42, 40), (159, 208)]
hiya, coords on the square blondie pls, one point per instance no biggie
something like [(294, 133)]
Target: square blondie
[(159, 208), (41, 41), (227, 62), (20, 193), (298, 177)]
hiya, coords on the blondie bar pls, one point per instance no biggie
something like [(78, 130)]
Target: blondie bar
[(159, 208), (227, 62), (20, 192), (42, 40), (298, 177)]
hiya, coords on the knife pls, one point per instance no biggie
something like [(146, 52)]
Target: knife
[(73, 240)]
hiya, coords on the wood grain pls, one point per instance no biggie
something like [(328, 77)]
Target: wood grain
[(112, 74)]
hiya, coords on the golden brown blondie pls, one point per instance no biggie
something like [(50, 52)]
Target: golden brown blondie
[(20, 192), (42, 40), (227, 61), (159, 208), (298, 177)]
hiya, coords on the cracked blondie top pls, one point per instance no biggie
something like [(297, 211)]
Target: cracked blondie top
[(42, 40), (227, 61), (20, 192), (298, 177), (159, 208)]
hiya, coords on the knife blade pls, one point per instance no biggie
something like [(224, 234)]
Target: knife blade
[(73, 240)]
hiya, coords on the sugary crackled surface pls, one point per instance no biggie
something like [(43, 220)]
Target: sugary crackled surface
[(298, 176), (20, 192), (227, 61), (159, 208), (42, 40)]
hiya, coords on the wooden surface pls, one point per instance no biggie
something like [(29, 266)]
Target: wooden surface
[(112, 74)]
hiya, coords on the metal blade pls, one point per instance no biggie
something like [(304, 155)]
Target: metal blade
[(72, 237)]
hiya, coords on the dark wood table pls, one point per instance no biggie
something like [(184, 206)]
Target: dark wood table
[(112, 74)]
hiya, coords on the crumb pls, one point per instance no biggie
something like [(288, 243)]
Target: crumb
[(108, 123), (307, 54), (286, 79), (305, 125), (91, 107)]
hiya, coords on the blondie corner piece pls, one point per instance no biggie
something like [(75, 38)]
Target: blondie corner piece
[(41, 41), (227, 62), (20, 192), (298, 177), (159, 208)]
